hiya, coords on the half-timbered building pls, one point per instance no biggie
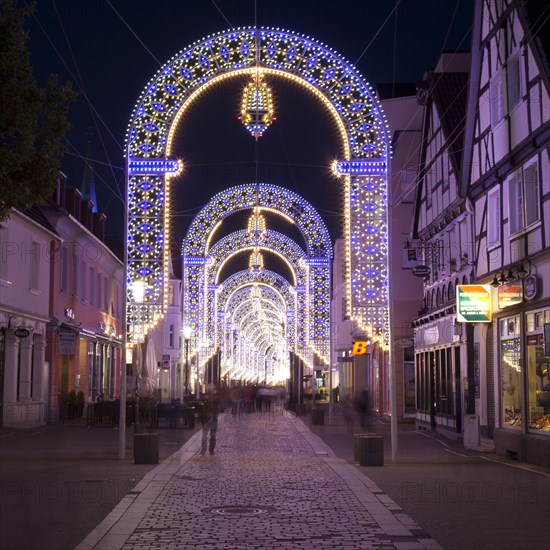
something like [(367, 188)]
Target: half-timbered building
[(507, 176), (440, 251)]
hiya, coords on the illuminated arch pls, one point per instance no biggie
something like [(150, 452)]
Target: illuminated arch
[(357, 115), (240, 241), (202, 260)]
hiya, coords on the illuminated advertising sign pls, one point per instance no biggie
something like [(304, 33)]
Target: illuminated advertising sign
[(473, 303), (510, 294)]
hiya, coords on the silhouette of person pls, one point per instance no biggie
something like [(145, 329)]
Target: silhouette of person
[(209, 419)]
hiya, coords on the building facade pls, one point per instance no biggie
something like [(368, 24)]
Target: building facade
[(369, 374), (441, 247), (84, 333), (507, 176), (26, 245)]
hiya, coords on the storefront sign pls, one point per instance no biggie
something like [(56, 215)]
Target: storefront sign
[(360, 348), (510, 294), (21, 332), (530, 287), (473, 303), (347, 359), (66, 343)]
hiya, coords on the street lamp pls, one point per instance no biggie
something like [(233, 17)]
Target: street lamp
[(186, 338)]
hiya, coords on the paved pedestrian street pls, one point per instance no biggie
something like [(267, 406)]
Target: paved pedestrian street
[(270, 484)]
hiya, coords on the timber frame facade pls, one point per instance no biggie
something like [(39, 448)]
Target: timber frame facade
[(506, 175), (481, 219), (441, 242)]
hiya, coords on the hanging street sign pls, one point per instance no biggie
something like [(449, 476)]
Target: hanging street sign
[(421, 271), (530, 287), (473, 303)]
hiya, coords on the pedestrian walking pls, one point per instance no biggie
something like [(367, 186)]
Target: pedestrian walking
[(209, 419), (348, 412)]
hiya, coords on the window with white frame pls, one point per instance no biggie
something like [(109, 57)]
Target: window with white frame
[(523, 195), (496, 99), (34, 265), (83, 271), (4, 247), (74, 274), (513, 80), (494, 218), (64, 268), (92, 285)]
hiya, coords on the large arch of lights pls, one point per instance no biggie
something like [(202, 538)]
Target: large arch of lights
[(310, 266), (357, 116), (266, 310), (256, 342)]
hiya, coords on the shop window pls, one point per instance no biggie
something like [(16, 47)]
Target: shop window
[(510, 359), (537, 373)]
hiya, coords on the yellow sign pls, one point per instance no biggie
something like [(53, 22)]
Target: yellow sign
[(360, 348), (473, 303)]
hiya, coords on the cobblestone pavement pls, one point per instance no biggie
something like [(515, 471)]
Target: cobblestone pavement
[(271, 484)]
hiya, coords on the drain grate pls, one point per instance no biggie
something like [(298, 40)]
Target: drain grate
[(239, 510)]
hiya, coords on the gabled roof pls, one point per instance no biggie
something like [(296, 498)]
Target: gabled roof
[(536, 14), (36, 215), (449, 92)]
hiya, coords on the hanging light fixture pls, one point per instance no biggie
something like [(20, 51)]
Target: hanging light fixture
[(257, 112)]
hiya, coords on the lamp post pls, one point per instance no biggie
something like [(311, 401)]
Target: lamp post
[(186, 338), (138, 288)]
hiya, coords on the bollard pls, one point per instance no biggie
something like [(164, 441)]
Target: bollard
[(146, 448), (371, 450), (356, 438)]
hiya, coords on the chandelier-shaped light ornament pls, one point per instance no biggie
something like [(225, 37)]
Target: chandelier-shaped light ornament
[(256, 262), (257, 227), (257, 112)]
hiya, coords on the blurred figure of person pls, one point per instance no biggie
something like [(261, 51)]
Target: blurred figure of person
[(209, 419), (236, 403), (348, 412), (362, 406)]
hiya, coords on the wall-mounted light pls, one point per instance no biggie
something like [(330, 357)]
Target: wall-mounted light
[(500, 278), (522, 272)]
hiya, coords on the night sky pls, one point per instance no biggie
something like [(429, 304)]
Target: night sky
[(110, 49)]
